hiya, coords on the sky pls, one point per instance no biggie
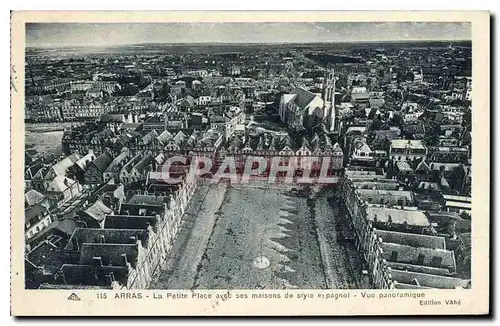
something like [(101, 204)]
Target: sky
[(102, 34)]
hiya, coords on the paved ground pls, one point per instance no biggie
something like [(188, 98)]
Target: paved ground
[(45, 142), (342, 263), (226, 229), (193, 237), (43, 139), (257, 222)]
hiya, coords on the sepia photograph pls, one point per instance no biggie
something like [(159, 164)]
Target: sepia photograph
[(267, 156)]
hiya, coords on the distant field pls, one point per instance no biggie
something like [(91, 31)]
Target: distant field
[(232, 49)]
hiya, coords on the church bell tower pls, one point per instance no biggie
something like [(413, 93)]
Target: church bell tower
[(329, 100)]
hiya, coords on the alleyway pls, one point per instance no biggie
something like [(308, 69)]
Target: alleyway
[(195, 232), (342, 265)]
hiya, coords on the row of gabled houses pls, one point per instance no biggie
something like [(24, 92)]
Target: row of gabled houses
[(83, 139), (271, 145), (114, 240), (403, 246)]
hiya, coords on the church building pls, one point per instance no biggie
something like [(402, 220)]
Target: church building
[(303, 109)]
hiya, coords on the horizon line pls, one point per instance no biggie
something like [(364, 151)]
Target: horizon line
[(243, 43)]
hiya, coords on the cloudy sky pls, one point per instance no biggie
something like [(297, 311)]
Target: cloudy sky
[(74, 34)]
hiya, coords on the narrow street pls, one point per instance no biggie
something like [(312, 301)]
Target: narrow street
[(194, 235), (341, 262)]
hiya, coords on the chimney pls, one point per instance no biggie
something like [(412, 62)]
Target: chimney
[(124, 259), (108, 278), (453, 229), (75, 244), (97, 261)]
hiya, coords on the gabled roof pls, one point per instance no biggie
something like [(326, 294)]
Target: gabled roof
[(397, 216), (32, 197), (362, 146), (160, 158), (60, 167), (111, 254), (118, 160), (403, 166), (287, 98), (132, 162), (411, 239), (304, 97), (143, 163), (48, 257), (428, 280), (164, 137), (189, 100), (129, 222), (179, 137), (410, 255), (149, 136), (336, 148), (446, 166), (60, 183), (90, 235), (33, 213), (406, 143), (148, 200), (98, 211), (103, 161), (422, 166)]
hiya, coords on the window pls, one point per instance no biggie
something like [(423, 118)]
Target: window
[(436, 261), (394, 255), (420, 259)]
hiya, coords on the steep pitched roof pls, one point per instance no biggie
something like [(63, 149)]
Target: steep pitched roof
[(60, 167), (149, 136), (98, 211), (103, 161), (179, 137), (304, 97), (33, 214), (428, 280), (164, 137), (60, 183), (85, 161), (411, 239), (287, 98), (397, 216), (410, 255), (90, 235), (143, 163), (118, 160), (32, 197)]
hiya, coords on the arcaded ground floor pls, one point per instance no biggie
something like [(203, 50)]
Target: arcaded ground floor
[(227, 227)]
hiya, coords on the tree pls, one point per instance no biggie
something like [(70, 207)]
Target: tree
[(376, 124), (433, 131), (456, 178), (465, 216), (396, 121)]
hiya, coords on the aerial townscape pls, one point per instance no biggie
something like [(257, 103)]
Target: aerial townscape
[(386, 124)]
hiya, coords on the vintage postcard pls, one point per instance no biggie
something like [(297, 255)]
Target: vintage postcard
[(250, 163)]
